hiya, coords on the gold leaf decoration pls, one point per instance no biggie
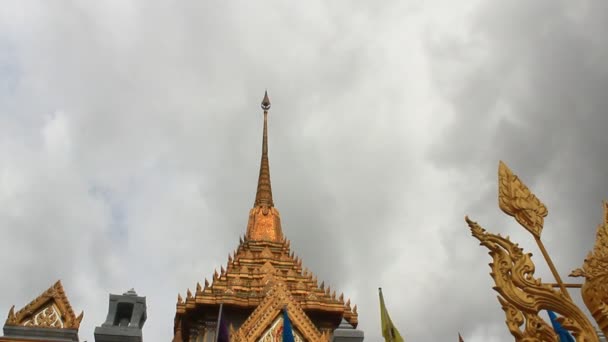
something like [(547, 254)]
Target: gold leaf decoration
[(595, 271), (515, 199), (535, 328), (522, 296), (45, 318)]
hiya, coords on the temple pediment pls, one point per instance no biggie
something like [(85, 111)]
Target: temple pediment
[(266, 321), (51, 309)]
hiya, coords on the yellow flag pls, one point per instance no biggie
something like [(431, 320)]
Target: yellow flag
[(389, 332)]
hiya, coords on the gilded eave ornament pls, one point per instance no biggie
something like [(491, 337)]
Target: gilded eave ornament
[(515, 199), (595, 272), (521, 295)]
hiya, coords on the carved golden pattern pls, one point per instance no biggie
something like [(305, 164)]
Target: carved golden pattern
[(47, 317), (535, 329), (515, 199), (595, 272), (522, 296), (51, 309)]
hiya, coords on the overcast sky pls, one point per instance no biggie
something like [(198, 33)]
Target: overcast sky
[(130, 136)]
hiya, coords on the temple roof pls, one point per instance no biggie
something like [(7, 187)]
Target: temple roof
[(262, 260), (253, 268), (51, 309)]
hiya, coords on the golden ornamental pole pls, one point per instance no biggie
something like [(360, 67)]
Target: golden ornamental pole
[(516, 200), (561, 284)]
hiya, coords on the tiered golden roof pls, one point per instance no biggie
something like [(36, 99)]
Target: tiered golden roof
[(264, 275), (250, 272)]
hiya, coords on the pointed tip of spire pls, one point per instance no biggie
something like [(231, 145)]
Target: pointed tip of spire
[(266, 101)]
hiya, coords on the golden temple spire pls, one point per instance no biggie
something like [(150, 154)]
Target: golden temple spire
[(263, 196), (264, 220)]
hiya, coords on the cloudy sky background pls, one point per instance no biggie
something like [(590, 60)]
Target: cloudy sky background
[(130, 139)]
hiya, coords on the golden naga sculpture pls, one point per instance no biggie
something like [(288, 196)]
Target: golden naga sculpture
[(595, 271), (522, 296)]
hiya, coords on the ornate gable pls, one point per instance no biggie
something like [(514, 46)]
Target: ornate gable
[(51, 309), (264, 318)]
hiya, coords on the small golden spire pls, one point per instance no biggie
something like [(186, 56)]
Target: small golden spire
[(264, 219)]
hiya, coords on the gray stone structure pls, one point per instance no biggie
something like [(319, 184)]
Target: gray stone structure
[(41, 334), (347, 333), (125, 321)]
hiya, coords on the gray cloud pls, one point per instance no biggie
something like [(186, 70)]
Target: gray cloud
[(131, 132)]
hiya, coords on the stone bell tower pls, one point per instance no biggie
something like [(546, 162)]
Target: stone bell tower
[(126, 318)]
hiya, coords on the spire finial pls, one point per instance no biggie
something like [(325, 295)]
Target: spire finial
[(266, 101), (263, 196)]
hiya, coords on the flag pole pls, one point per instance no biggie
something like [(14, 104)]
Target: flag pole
[(217, 326)]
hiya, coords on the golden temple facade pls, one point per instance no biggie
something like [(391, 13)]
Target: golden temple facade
[(262, 276)]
